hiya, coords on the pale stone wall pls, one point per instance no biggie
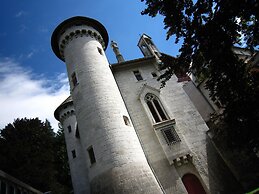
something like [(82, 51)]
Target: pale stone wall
[(121, 166), (78, 167), (189, 125), (199, 100)]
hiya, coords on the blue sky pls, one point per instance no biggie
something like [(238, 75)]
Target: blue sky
[(32, 79)]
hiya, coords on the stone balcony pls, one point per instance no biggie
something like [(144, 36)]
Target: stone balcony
[(172, 142)]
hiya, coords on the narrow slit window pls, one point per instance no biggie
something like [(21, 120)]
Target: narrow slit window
[(69, 128), (77, 134), (100, 50), (91, 155), (73, 153), (126, 120), (155, 107), (74, 79), (138, 75)]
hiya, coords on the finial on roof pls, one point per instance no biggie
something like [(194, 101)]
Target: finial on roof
[(116, 50)]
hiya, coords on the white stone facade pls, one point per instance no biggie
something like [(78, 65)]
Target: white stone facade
[(125, 146)]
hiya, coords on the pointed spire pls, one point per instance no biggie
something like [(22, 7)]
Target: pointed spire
[(116, 50)]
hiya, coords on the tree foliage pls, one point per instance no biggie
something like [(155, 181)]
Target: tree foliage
[(209, 29), (33, 153)]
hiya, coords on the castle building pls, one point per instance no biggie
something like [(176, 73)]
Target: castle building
[(124, 134)]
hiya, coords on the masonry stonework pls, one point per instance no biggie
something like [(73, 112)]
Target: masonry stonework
[(122, 142)]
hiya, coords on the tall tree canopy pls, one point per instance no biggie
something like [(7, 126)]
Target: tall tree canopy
[(33, 153), (209, 29)]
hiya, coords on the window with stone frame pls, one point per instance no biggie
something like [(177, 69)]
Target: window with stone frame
[(170, 135), (91, 155), (126, 120), (138, 75), (100, 50), (69, 128), (73, 153), (155, 107), (154, 74)]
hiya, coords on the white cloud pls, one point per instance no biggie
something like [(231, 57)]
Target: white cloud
[(24, 96), (29, 55), (20, 14)]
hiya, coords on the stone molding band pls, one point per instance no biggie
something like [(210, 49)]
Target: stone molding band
[(66, 115), (76, 34)]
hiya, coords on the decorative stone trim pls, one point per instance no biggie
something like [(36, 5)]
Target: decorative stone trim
[(182, 160), (79, 33), (66, 115)]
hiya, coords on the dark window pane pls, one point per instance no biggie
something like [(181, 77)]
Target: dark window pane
[(159, 109), (126, 120), (91, 155), (73, 153), (152, 110), (154, 74), (100, 50), (138, 75), (69, 128), (77, 132)]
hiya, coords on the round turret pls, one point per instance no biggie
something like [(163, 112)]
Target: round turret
[(65, 114), (114, 157), (58, 49)]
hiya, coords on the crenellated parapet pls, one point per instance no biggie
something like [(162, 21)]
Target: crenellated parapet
[(74, 28), (66, 114), (77, 32)]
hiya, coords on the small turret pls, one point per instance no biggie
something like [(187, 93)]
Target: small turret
[(116, 50), (147, 47)]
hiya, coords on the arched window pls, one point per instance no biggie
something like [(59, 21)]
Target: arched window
[(193, 184), (155, 108)]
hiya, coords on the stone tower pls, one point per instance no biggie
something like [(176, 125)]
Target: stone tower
[(147, 46), (109, 147)]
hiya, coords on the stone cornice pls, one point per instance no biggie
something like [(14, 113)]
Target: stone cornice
[(76, 34)]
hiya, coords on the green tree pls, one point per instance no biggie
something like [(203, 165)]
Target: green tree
[(209, 29), (61, 163), (29, 151)]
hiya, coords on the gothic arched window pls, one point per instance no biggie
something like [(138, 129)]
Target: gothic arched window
[(155, 108), (193, 184)]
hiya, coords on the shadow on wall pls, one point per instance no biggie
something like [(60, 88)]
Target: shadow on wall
[(224, 181)]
